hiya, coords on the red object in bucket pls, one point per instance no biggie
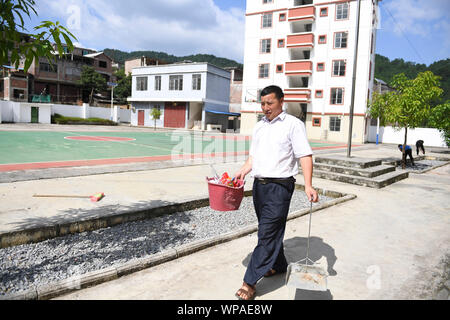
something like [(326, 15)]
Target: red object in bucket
[(225, 198)]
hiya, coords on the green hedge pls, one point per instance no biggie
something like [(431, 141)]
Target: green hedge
[(59, 119)]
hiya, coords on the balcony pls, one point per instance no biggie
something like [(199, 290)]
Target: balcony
[(299, 53), (297, 95), (300, 40), (297, 3), (298, 68), (302, 13)]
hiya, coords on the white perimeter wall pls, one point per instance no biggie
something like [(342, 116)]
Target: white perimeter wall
[(431, 137), (21, 112)]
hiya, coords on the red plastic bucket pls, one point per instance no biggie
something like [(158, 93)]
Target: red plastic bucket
[(225, 198)]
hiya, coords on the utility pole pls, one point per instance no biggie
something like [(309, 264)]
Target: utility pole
[(378, 119), (355, 62), (112, 85)]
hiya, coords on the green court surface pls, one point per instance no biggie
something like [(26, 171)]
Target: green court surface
[(44, 146), (25, 147)]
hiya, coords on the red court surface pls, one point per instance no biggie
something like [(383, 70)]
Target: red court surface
[(98, 138), (98, 162)]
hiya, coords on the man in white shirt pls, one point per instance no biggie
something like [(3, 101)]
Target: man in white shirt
[(279, 141)]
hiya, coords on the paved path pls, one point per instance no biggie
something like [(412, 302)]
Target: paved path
[(386, 244)]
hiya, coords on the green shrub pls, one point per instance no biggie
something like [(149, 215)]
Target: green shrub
[(59, 119)]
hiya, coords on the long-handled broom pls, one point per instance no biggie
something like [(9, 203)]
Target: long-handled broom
[(94, 198)]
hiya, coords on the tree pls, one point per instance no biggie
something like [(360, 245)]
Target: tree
[(156, 114), (92, 81), (123, 89), (15, 41), (409, 105), (440, 119)]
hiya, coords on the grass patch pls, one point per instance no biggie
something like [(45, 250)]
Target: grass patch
[(59, 119)]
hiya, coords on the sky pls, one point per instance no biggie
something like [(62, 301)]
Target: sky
[(413, 30)]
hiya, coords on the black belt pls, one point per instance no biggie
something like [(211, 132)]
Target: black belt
[(275, 180)]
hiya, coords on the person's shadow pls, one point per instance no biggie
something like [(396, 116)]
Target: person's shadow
[(295, 250)]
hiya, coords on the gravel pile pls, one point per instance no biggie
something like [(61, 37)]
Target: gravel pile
[(421, 165), (25, 266)]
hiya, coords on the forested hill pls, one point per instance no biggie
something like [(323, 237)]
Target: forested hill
[(385, 70), (121, 56)]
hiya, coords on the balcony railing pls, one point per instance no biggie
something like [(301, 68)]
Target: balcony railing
[(298, 68), (302, 13), (297, 94), (41, 98), (300, 40)]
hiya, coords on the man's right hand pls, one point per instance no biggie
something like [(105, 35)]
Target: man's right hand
[(246, 168)]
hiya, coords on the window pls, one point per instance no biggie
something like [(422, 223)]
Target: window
[(321, 66), (196, 81), (176, 82), (337, 96), (19, 94), (279, 68), (319, 94), (316, 122), (323, 12), (47, 67), (339, 68), (141, 83), (335, 124), (157, 83), (85, 52), (340, 39), (280, 43), (73, 71), (102, 64), (322, 39), (267, 20), (282, 17), (265, 46), (264, 70), (341, 11)]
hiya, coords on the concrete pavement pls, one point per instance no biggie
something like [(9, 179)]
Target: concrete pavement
[(386, 244)]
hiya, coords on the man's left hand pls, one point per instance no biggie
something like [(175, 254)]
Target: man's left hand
[(311, 193)]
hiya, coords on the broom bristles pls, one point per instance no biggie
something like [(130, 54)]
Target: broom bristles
[(97, 197)]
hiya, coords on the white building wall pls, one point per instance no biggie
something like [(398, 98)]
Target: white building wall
[(211, 87), (214, 93), (148, 119), (431, 137), (324, 53)]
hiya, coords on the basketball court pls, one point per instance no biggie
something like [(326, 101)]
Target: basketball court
[(26, 150)]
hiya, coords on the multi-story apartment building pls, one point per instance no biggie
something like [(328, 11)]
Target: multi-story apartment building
[(189, 95), (307, 48), (56, 81)]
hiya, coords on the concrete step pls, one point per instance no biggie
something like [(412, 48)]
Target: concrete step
[(352, 162), (369, 172), (375, 182)]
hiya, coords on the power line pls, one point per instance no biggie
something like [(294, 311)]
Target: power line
[(403, 33)]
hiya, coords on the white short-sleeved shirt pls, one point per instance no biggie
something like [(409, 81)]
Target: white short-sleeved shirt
[(277, 145)]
